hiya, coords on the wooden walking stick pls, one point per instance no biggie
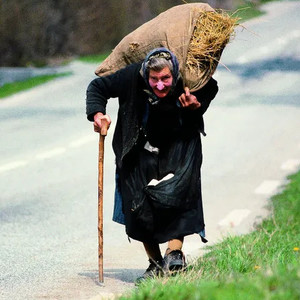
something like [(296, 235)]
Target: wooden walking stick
[(102, 135)]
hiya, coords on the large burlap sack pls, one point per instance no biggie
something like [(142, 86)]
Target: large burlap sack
[(172, 29)]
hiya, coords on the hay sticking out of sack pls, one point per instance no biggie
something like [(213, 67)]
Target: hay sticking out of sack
[(212, 32)]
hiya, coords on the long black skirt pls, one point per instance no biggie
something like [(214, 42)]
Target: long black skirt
[(172, 208)]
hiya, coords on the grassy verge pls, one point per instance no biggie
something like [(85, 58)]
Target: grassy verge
[(15, 87), (95, 58), (246, 10), (261, 265)]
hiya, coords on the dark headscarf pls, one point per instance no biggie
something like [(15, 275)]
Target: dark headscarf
[(160, 53)]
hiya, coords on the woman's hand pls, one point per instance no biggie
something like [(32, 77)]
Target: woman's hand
[(188, 100), (101, 123)]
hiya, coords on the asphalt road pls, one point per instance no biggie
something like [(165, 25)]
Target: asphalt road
[(48, 167)]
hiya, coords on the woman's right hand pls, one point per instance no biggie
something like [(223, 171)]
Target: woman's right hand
[(101, 123)]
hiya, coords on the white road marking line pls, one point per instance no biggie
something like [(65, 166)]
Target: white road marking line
[(295, 33), (264, 50), (267, 187), (234, 218), (83, 140), (51, 153), (291, 165), (13, 165), (254, 55), (48, 154), (242, 60), (281, 42)]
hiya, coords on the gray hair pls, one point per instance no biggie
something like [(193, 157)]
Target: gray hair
[(158, 63)]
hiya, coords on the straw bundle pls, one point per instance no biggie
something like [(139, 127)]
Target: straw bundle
[(212, 32)]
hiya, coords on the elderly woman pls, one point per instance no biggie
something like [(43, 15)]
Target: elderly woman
[(158, 154)]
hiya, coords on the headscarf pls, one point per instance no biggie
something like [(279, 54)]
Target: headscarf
[(157, 53)]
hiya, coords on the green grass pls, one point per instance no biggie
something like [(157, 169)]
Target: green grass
[(95, 58), (15, 87), (246, 10), (245, 13), (263, 264)]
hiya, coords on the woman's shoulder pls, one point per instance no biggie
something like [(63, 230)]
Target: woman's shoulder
[(133, 68)]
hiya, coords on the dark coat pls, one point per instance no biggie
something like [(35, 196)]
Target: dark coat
[(145, 221), (128, 85)]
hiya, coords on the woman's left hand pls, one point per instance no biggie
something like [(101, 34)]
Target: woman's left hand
[(188, 100)]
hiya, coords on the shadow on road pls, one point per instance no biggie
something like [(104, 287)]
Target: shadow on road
[(260, 68), (124, 275)]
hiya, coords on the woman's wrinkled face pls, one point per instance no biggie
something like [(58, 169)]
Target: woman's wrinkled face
[(161, 82)]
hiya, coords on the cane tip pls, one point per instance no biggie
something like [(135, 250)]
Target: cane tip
[(101, 283)]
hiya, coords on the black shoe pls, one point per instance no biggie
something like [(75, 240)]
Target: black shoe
[(174, 262), (155, 269)]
